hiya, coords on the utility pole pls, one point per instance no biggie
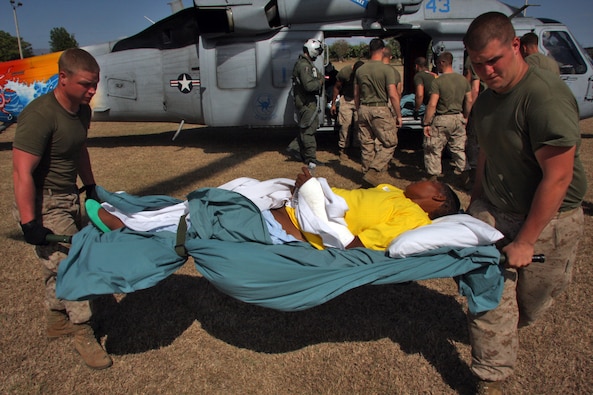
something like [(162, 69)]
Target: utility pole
[(14, 5)]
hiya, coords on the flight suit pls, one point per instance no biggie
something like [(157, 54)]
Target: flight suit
[(307, 83)]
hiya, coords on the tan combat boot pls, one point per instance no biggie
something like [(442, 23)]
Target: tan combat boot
[(58, 324), (85, 342), (489, 388)]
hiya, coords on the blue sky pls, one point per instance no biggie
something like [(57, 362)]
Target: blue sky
[(95, 22)]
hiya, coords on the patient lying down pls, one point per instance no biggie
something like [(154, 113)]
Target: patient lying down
[(316, 213)]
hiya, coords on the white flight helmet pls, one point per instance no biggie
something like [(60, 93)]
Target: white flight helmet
[(313, 47)]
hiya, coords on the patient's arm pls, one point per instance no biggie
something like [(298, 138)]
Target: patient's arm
[(356, 242), (102, 218), (283, 219), (110, 220)]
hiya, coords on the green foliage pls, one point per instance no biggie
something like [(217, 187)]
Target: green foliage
[(342, 49), (60, 39), (339, 50), (9, 47), (395, 47)]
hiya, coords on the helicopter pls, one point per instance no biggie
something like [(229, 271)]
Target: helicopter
[(225, 63)]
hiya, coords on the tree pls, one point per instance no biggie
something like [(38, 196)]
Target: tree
[(9, 47), (60, 39), (340, 49), (395, 47)]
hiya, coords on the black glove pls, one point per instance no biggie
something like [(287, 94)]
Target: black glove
[(35, 233), (90, 191), (416, 115)]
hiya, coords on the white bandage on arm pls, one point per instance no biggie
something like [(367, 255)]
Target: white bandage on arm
[(312, 193), (313, 218)]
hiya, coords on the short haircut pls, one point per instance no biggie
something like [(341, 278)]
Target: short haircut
[(487, 27), (421, 61), (387, 52), (451, 204), (75, 59), (446, 57), (529, 39), (376, 44)]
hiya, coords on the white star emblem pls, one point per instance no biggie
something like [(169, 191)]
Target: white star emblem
[(185, 84)]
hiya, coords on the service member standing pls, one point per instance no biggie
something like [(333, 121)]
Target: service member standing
[(307, 84), (445, 118), (530, 184), (49, 152), (422, 82), (532, 56), (375, 87), (347, 114)]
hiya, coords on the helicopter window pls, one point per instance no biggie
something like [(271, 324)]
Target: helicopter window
[(235, 66), (561, 47)]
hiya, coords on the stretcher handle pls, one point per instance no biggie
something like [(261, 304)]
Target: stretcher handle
[(52, 238), (537, 258)]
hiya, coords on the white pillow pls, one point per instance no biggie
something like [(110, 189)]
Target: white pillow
[(458, 231)]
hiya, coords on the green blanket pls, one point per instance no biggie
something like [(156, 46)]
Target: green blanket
[(231, 248)]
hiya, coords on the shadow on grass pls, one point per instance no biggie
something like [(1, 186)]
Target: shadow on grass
[(420, 320)]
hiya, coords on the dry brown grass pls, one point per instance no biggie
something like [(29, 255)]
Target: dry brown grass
[(184, 336)]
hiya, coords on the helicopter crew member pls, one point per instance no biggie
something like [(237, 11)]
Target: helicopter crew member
[(307, 84)]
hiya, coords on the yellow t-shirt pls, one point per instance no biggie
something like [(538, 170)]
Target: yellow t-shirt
[(376, 215)]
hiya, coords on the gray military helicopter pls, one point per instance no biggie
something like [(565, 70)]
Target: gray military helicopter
[(229, 62)]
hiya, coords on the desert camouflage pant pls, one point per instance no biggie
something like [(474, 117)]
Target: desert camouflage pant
[(446, 129), (528, 292), (60, 213), (376, 124), (347, 117)]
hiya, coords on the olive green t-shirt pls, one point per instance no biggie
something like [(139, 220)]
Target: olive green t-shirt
[(47, 130), (373, 79), (543, 62), (347, 79), (425, 79), (451, 88), (512, 126), (398, 76)]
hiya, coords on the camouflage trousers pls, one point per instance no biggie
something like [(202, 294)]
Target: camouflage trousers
[(347, 117), (446, 129), (60, 213), (378, 137), (528, 292)]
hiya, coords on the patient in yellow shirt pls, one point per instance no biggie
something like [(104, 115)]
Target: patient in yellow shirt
[(375, 216)]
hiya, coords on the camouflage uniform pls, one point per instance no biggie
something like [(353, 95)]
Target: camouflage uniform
[(511, 128), (61, 213), (347, 115), (448, 125), (446, 128), (57, 202), (528, 291), (307, 84), (378, 130)]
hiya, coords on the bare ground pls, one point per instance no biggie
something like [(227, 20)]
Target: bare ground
[(185, 337)]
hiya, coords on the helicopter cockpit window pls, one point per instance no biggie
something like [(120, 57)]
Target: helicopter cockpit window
[(562, 48)]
